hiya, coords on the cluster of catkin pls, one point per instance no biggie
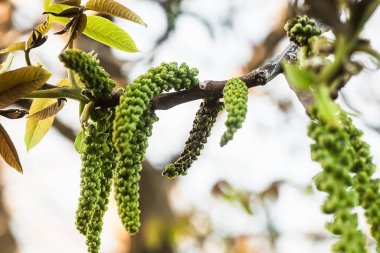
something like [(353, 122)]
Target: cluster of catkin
[(346, 178), (115, 139)]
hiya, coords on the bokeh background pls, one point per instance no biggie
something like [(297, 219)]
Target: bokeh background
[(254, 195)]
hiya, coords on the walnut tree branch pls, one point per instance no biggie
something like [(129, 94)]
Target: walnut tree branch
[(258, 77), (214, 89)]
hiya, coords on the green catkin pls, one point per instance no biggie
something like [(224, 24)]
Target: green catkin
[(301, 30), (203, 122), (132, 125), (90, 177), (333, 150), (235, 95), (127, 176), (91, 74), (363, 168), (99, 155), (108, 158), (98, 162)]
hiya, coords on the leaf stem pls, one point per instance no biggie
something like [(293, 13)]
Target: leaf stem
[(59, 93)]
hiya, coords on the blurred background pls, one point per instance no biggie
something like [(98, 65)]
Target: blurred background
[(254, 195)]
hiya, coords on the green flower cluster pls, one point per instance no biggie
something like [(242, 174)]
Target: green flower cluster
[(203, 122), (333, 150), (98, 163), (363, 168), (235, 95), (91, 74), (98, 153), (301, 30), (133, 125)]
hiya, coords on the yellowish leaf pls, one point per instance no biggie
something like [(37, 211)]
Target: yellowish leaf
[(7, 64), (21, 82), (8, 150), (41, 29), (113, 8), (19, 46), (36, 129), (48, 111), (64, 83)]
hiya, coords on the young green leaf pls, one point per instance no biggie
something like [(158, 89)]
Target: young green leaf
[(36, 129), (77, 29), (21, 82), (327, 108), (298, 78), (19, 46), (68, 2), (108, 33), (48, 111), (113, 8), (79, 142), (56, 8), (8, 150)]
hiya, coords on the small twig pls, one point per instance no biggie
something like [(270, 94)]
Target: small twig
[(27, 56)]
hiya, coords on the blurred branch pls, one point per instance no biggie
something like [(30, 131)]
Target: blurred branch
[(266, 48), (8, 243)]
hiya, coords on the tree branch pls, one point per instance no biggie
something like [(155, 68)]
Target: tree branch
[(207, 89)]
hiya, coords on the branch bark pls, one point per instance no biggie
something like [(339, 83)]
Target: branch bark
[(214, 89)]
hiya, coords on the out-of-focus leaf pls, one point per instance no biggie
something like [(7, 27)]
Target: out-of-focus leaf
[(79, 142), (327, 108), (13, 113), (68, 2), (40, 30), (7, 64), (298, 78), (8, 150), (113, 8), (108, 33), (64, 83), (326, 11), (18, 83), (36, 129), (85, 115), (226, 191), (49, 111), (360, 12), (19, 46), (56, 8)]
